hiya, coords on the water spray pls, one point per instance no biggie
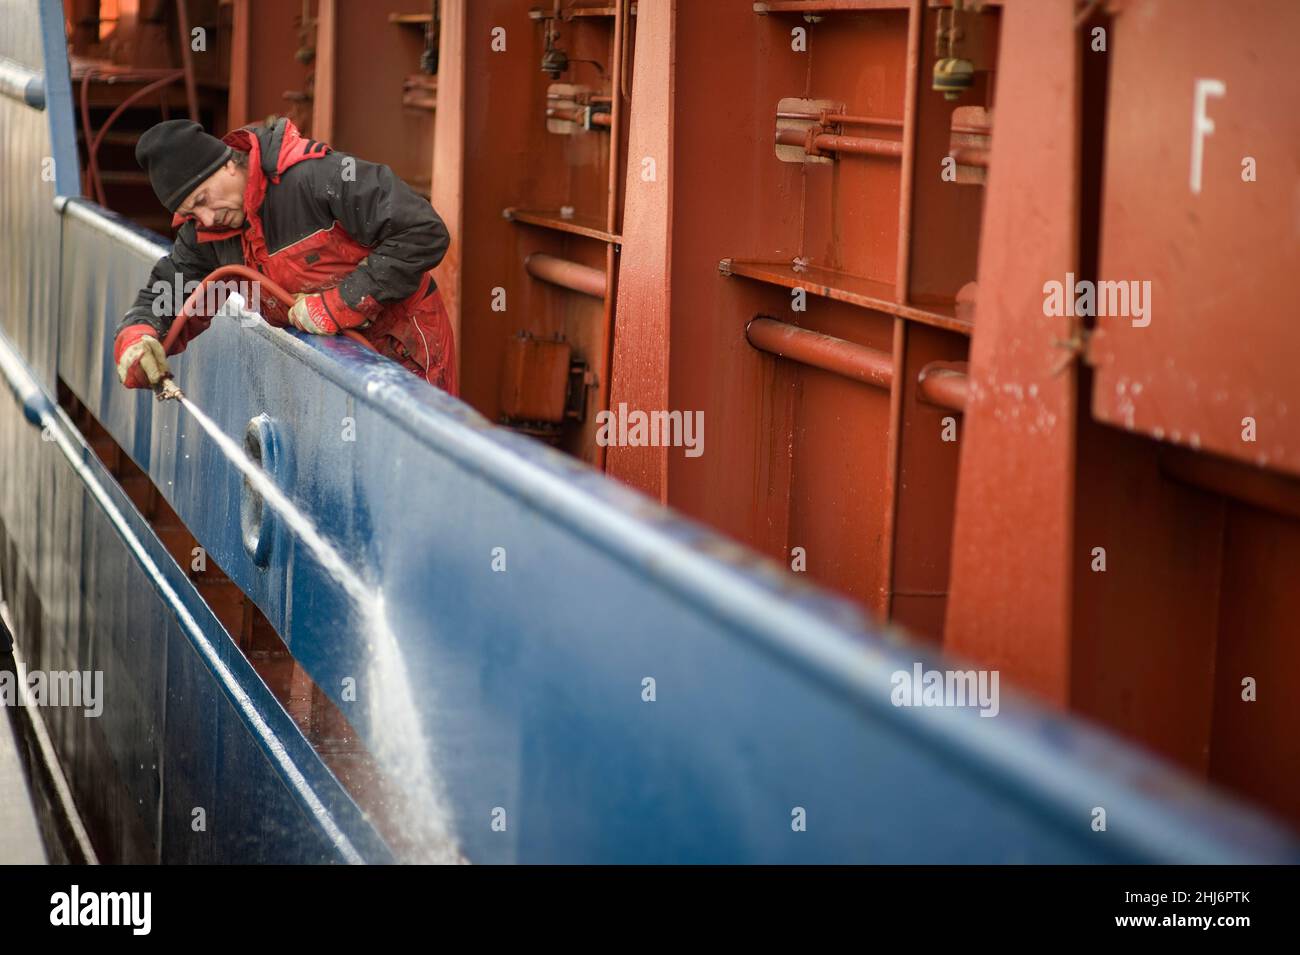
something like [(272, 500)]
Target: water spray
[(400, 746)]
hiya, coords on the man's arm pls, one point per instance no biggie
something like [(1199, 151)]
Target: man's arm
[(405, 235), (137, 343), (155, 305)]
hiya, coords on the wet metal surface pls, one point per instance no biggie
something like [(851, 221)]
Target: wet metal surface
[(531, 597)]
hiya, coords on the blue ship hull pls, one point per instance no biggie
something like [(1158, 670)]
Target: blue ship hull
[(771, 735)]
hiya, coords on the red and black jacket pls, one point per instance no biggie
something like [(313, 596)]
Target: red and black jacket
[(314, 219)]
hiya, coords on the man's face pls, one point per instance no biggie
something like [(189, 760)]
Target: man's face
[(218, 202)]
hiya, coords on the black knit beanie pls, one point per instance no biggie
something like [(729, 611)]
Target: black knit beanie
[(178, 155)]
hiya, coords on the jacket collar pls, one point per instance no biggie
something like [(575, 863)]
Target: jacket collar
[(271, 150)]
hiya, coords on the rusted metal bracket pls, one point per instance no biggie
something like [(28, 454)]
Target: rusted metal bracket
[(1076, 347)]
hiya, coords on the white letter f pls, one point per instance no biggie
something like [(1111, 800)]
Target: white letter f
[(1202, 125)]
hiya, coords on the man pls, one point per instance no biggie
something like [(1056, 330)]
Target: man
[(353, 240)]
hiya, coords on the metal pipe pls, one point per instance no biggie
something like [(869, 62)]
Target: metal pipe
[(856, 145), (606, 349), (970, 156), (839, 357), (578, 115), (624, 45), (87, 134), (893, 471), (615, 115), (827, 118), (945, 384), (121, 232), (571, 275), (907, 172), (24, 85)]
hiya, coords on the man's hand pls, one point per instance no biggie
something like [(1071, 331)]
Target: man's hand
[(310, 314), (141, 362), (325, 313)]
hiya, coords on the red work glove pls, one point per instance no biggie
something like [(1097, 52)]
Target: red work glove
[(325, 313), (139, 357)]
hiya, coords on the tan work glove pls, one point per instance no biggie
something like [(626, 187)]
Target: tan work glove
[(141, 362)]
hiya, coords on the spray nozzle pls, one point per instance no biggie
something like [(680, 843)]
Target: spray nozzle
[(167, 388)]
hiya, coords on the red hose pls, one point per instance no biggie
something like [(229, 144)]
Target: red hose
[(252, 275)]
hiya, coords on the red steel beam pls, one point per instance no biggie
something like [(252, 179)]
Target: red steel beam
[(643, 320), (1269, 490), (893, 453), (241, 25), (613, 120), (326, 74), (916, 19), (187, 60), (448, 172), (1011, 592)]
